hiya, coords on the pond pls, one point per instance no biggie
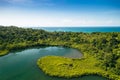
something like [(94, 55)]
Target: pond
[(21, 65)]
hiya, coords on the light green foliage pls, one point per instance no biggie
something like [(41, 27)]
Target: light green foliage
[(66, 67), (3, 52)]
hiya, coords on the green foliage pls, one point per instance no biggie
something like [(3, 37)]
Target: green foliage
[(105, 47), (3, 52), (66, 67)]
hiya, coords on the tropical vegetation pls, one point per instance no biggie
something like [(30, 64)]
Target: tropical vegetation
[(101, 50)]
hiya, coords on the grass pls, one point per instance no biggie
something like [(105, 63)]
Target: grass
[(3, 52), (66, 67)]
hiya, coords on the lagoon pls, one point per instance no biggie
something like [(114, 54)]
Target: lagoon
[(21, 65)]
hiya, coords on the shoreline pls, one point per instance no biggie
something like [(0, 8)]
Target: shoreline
[(85, 56)]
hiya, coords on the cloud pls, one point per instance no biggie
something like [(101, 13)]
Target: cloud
[(30, 2), (48, 18), (16, 1)]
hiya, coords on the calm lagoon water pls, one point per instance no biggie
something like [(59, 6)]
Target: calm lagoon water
[(21, 65)]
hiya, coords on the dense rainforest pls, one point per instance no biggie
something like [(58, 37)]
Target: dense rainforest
[(103, 46)]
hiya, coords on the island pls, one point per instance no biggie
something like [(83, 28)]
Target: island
[(101, 51)]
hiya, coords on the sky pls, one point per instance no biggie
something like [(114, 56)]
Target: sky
[(56, 13)]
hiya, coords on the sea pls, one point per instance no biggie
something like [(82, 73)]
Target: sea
[(80, 29)]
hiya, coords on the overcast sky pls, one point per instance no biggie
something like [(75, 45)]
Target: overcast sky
[(60, 12)]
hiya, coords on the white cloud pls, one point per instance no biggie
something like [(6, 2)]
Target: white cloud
[(16, 1), (26, 18), (31, 2)]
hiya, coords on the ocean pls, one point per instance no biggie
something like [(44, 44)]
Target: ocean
[(80, 29)]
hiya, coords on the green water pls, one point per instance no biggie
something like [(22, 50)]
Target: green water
[(21, 65)]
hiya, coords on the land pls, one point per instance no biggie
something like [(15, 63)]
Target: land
[(67, 67), (101, 50)]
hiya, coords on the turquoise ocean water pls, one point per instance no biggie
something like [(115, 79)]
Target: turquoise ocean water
[(81, 29)]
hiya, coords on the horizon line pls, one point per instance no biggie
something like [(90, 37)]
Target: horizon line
[(63, 26)]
